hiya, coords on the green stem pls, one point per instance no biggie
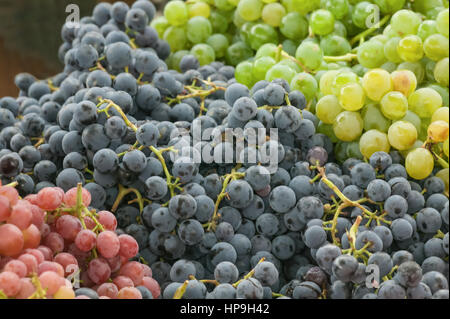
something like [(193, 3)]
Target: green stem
[(369, 31)]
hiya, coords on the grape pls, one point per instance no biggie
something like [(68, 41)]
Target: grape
[(176, 13), (302, 82), (394, 105), (419, 163), (322, 22), (371, 54), (273, 13), (348, 126), (405, 22), (410, 48), (250, 10), (328, 108), (352, 97), (294, 26), (438, 131), (108, 244), (402, 135), (441, 72), (310, 54), (9, 283), (373, 141), (377, 83), (404, 81), (390, 50), (424, 102), (442, 22), (374, 119)]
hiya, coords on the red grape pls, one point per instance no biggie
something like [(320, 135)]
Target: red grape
[(129, 293), (38, 218), (10, 283), (11, 193), (26, 289), (17, 267), (32, 237), (114, 263), (123, 281), (37, 254), (99, 270), (51, 281), (68, 227), (46, 252), (66, 260), (30, 261), (128, 246), (108, 244), (134, 271), (21, 216), (12, 240), (55, 242), (49, 198), (5, 209), (147, 270), (51, 266), (86, 240), (108, 220), (70, 198), (108, 290), (152, 285)]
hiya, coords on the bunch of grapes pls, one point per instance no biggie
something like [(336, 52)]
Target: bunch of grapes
[(52, 243)]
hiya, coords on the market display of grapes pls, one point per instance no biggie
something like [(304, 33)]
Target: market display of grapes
[(107, 193)]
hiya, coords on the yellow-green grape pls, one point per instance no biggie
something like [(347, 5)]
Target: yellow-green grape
[(405, 22), (410, 48), (327, 108), (419, 163), (348, 126), (445, 147), (441, 114), (199, 8), (160, 24), (342, 79), (236, 2), (377, 83), (294, 66), (423, 134), (273, 13), (261, 66), (416, 67), (265, 1), (436, 47), (352, 97), (326, 81), (442, 22), (394, 105), (402, 135), (224, 5), (444, 175), (327, 129), (373, 141), (176, 37), (417, 144), (176, 13), (427, 28), (414, 119), (390, 33), (322, 22), (438, 131), (424, 102), (268, 49), (305, 83), (250, 10), (441, 72), (280, 71), (309, 54), (374, 118), (404, 81), (244, 73)]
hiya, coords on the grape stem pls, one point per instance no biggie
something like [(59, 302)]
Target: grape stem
[(369, 31), (124, 192), (40, 292), (346, 58), (300, 64), (250, 274)]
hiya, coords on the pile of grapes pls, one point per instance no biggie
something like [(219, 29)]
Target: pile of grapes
[(321, 171)]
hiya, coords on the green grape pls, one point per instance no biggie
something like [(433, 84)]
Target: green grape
[(301, 6), (294, 26), (405, 22), (373, 141), (175, 59), (198, 29), (410, 48), (394, 105), (389, 6), (427, 28), (424, 102), (441, 72), (342, 79), (334, 66), (290, 47), (219, 43), (306, 84), (176, 37), (443, 174), (445, 147), (334, 45), (414, 119), (327, 129), (371, 54), (160, 24), (250, 10), (443, 92), (245, 31), (294, 66), (265, 1), (339, 8), (423, 6), (176, 12), (374, 119), (419, 163), (353, 151), (322, 22), (340, 29), (340, 151), (237, 20), (391, 33), (423, 134), (430, 65), (199, 9), (280, 71), (377, 83), (260, 34), (348, 126), (261, 66), (402, 135), (390, 50), (273, 13), (442, 22), (224, 5), (416, 68), (359, 70), (238, 52), (389, 66), (310, 55), (318, 76), (417, 144), (441, 114), (244, 73), (327, 80), (362, 12), (380, 37), (219, 22), (268, 49), (436, 47), (204, 53), (352, 97), (328, 108)]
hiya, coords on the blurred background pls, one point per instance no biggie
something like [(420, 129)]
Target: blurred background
[(30, 37)]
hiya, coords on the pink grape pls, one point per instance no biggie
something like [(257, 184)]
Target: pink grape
[(32, 237), (108, 244), (55, 242), (123, 281), (51, 281), (147, 270), (99, 270), (108, 290), (21, 216), (11, 193), (26, 289), (17, 267), (66, 260), (108, 220), (11, 242), (152, 285), (37, 254), (134, 271), (30, 262), (5, 209), (68, 227), (49, 198), (51, 266), (46, 252), (86, 240), (38, 216), (129, 293), (10, 283), (128, 246), (70, 198)]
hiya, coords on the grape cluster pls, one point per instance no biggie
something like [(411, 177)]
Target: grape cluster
[(106, 155)]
